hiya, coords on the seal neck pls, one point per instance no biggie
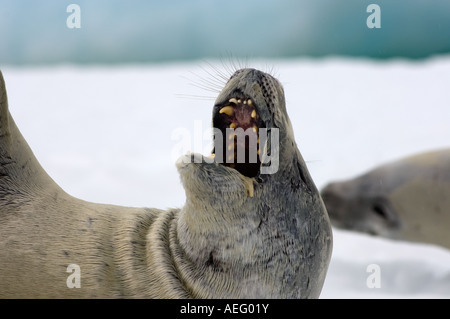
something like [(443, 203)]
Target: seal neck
[(226, 237)]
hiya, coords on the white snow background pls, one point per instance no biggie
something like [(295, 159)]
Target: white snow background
[(108, 134)]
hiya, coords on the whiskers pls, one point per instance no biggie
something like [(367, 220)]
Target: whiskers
[(214, 75), (212, 79)]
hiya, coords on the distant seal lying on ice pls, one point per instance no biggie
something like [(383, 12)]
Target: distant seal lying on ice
[(407, 199), (241, 234)]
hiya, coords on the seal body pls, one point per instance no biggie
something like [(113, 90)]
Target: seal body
[(408, 199), (242, 233)]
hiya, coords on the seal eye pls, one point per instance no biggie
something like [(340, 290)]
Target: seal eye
[(379, 210), (239, 122)]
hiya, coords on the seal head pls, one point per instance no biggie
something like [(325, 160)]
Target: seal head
[(407, 199), (260, 227)]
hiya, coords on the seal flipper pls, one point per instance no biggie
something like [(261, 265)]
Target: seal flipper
[(20, 171)]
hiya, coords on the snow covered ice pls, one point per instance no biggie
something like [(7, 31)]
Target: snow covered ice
[(105, 134)]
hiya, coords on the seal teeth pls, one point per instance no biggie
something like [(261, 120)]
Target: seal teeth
[(248, 184), (241, 113), (228, 110)]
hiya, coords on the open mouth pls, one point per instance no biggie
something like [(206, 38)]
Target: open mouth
[(238, 145)]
